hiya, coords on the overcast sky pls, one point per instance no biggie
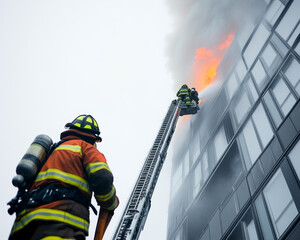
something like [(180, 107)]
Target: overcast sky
[(60, 59)]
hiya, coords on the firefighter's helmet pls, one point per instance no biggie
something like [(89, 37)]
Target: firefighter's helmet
[(184, 86), (85, 123)]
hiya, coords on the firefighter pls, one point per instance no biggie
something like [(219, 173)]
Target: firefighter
[(60, 197), (184, 94), (194, 95)]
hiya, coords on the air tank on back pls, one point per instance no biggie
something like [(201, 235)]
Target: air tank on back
[(33, 160)]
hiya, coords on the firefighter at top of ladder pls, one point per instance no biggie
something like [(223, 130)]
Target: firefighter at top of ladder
[(184, 94)]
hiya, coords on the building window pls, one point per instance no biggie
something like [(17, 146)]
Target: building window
[(279, 45), (294, 157), (252, 89), (178, 235), (297, 48), (255, 136), (232, 85), (283, 96), (195, 147), (198, 180), (201, 173), (289, 27), (291, 72), (177, 179), (280, 203), (260, 75), (252, 143), (241, 70), (243, 102), (273, 110), (205, 166), (245, 230), (269, 55), (220, 143), (262, 125), (274, 11), (256, 44), (241, 107), (271, 59), (249, 226), (244, 33), (205, 236), (186, 164)]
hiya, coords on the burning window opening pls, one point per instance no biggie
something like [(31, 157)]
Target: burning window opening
[(206, 63)]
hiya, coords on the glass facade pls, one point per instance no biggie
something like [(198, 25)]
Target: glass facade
[(238, 178)]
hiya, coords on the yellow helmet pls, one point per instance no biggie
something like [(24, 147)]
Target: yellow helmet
[(85, 123), (184, 86)]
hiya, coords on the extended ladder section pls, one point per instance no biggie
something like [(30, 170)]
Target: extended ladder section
[(133, 219)]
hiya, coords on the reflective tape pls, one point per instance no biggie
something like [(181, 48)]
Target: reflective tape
[(56, 238), (106, 197), (94, 167), (183, 92), (114, 205), (51, 215), (72, 148), (68, 178)]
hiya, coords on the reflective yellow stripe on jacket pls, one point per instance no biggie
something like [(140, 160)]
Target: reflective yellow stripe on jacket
[(183, 92), (49, 215), (106, 197), (68, 178), (56, 238), (114, 205), (94, 167), (72, 148)]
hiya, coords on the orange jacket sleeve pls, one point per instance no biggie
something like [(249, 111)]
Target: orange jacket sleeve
[(100, 178)]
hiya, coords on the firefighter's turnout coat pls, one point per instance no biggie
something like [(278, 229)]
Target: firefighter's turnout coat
[(76, 165), (184, 94)]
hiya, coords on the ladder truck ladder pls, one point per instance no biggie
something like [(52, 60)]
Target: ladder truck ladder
[(135, 214)]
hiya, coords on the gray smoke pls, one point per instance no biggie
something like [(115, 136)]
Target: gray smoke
[(209, 90), (200, 23)]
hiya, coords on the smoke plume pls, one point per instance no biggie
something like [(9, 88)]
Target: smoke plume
[(201, 27)]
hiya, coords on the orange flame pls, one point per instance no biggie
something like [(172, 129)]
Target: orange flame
[(227, 43), (207, 62), (202, 53)]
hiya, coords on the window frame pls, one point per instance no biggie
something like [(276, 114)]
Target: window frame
[(249, 162), (274, 221), (286, 65), (294, 188), (275, 82)]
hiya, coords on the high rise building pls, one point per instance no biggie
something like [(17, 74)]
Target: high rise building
[(236, 174)]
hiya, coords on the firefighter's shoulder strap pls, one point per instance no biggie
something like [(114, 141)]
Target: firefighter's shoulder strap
[(55, 145)]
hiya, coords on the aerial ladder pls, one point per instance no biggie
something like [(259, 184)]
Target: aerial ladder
[(135, 214)]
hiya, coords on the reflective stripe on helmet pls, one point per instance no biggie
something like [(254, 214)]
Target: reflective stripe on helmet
[(51, 215), (68, 178), (85, 122)]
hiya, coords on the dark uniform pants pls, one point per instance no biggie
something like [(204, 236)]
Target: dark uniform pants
[(40, 230), (185, 98)]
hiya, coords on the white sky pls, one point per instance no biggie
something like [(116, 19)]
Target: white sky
[(59, 59)]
